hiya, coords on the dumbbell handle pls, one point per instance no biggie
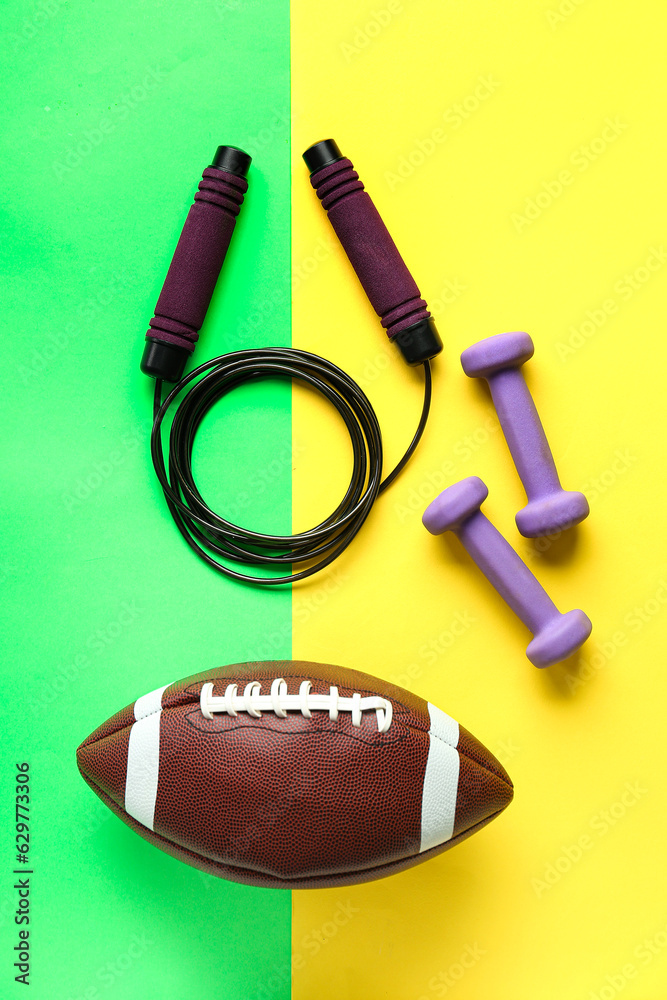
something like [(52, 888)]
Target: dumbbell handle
[(524, 432), (195, 266), (506, 571), (380, 268)]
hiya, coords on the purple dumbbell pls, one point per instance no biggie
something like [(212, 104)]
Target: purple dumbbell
[(550, 508), (556, 635)]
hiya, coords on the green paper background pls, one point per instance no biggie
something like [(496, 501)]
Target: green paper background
[(115, 111)]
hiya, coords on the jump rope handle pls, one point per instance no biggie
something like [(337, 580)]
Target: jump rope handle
[(372, 253), (195, 266)]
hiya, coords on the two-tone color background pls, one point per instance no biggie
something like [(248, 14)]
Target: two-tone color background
[(517, 153)]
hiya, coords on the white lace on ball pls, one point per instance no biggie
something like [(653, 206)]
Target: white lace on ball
[(280, 702)]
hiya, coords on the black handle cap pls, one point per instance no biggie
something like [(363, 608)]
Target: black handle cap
[(321, 154), (233, 160), (164, 361), (419, 343)]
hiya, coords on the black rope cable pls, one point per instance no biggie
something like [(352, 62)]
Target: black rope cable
[(210, 535)]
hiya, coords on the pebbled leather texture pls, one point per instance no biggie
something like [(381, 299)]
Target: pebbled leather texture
[(293, 802)]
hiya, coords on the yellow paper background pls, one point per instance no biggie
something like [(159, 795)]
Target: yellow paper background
[(564, 895)]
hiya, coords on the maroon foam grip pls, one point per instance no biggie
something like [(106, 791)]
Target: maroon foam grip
[(196, 263), (372, 252)]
